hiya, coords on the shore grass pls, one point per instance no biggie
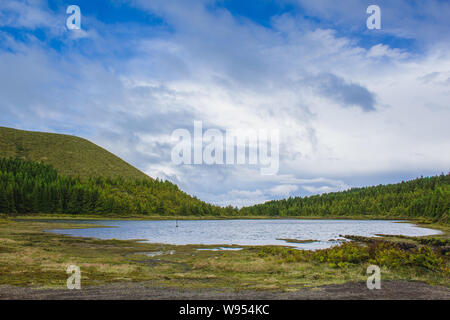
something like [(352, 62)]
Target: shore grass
[(31, 257)]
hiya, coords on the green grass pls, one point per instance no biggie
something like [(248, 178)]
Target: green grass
[(31, 257), (69, 155)]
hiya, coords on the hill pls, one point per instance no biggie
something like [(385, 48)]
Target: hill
[(56, 173), (69, 155), (423, 197), (32, 187)]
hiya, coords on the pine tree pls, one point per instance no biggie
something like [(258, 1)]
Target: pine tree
[(4, 206)]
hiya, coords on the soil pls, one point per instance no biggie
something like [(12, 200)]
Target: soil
[(390, 290)]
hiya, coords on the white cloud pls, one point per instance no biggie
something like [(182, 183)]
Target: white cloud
[(381, 50), (423, 21), (283, 190), (309, 82), (320, 190), (28, 14)]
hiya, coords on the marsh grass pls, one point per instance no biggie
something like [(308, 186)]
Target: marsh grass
[(31, 257)]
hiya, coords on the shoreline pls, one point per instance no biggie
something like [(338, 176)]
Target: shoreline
[(156, 218)]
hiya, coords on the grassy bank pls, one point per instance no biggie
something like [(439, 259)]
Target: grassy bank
[(31, 257)]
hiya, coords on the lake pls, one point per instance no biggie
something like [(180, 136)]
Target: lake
[(244, 232)]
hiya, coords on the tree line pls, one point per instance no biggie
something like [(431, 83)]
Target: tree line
[(423, 197), (31, 187)]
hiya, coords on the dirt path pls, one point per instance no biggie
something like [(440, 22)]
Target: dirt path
[(146, 291)]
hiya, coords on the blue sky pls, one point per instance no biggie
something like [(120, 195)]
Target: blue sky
[(354, 106)]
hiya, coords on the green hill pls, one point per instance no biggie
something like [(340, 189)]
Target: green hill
[(69, 155), (56, 173), (32, 187), (423, 197)]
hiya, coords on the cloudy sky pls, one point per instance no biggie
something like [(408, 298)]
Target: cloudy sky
[(354, 106)]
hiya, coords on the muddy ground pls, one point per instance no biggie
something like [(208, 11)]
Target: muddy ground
[(147, 291)]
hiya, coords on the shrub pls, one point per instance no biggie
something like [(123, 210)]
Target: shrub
[(390, 255), (343, 255)]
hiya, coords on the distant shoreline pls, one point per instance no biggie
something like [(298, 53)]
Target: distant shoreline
[(120, 217)]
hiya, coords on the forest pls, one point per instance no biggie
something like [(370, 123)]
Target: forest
[(427, 197), (32, 187)]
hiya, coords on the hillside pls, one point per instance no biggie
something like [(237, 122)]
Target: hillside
[(32, 187), (56, 173), (69, 155), (423, 197)]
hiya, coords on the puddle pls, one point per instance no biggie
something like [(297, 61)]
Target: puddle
[(156, 253), (220, 249)]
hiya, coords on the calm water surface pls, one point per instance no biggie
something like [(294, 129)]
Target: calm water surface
[(245, 232)]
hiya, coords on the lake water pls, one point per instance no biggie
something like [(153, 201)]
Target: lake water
[(245, 232)]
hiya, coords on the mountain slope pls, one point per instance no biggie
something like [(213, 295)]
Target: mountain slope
[(55, 173), (423, 197), (31, 187), (69, 155)]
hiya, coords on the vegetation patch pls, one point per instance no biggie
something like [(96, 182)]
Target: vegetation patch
[(298, 241), (430, 241), (389, 255)]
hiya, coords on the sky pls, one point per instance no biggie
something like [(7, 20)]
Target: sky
[(354, 106)]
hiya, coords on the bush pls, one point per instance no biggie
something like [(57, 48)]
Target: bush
[(343, 255), (381, 253)]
